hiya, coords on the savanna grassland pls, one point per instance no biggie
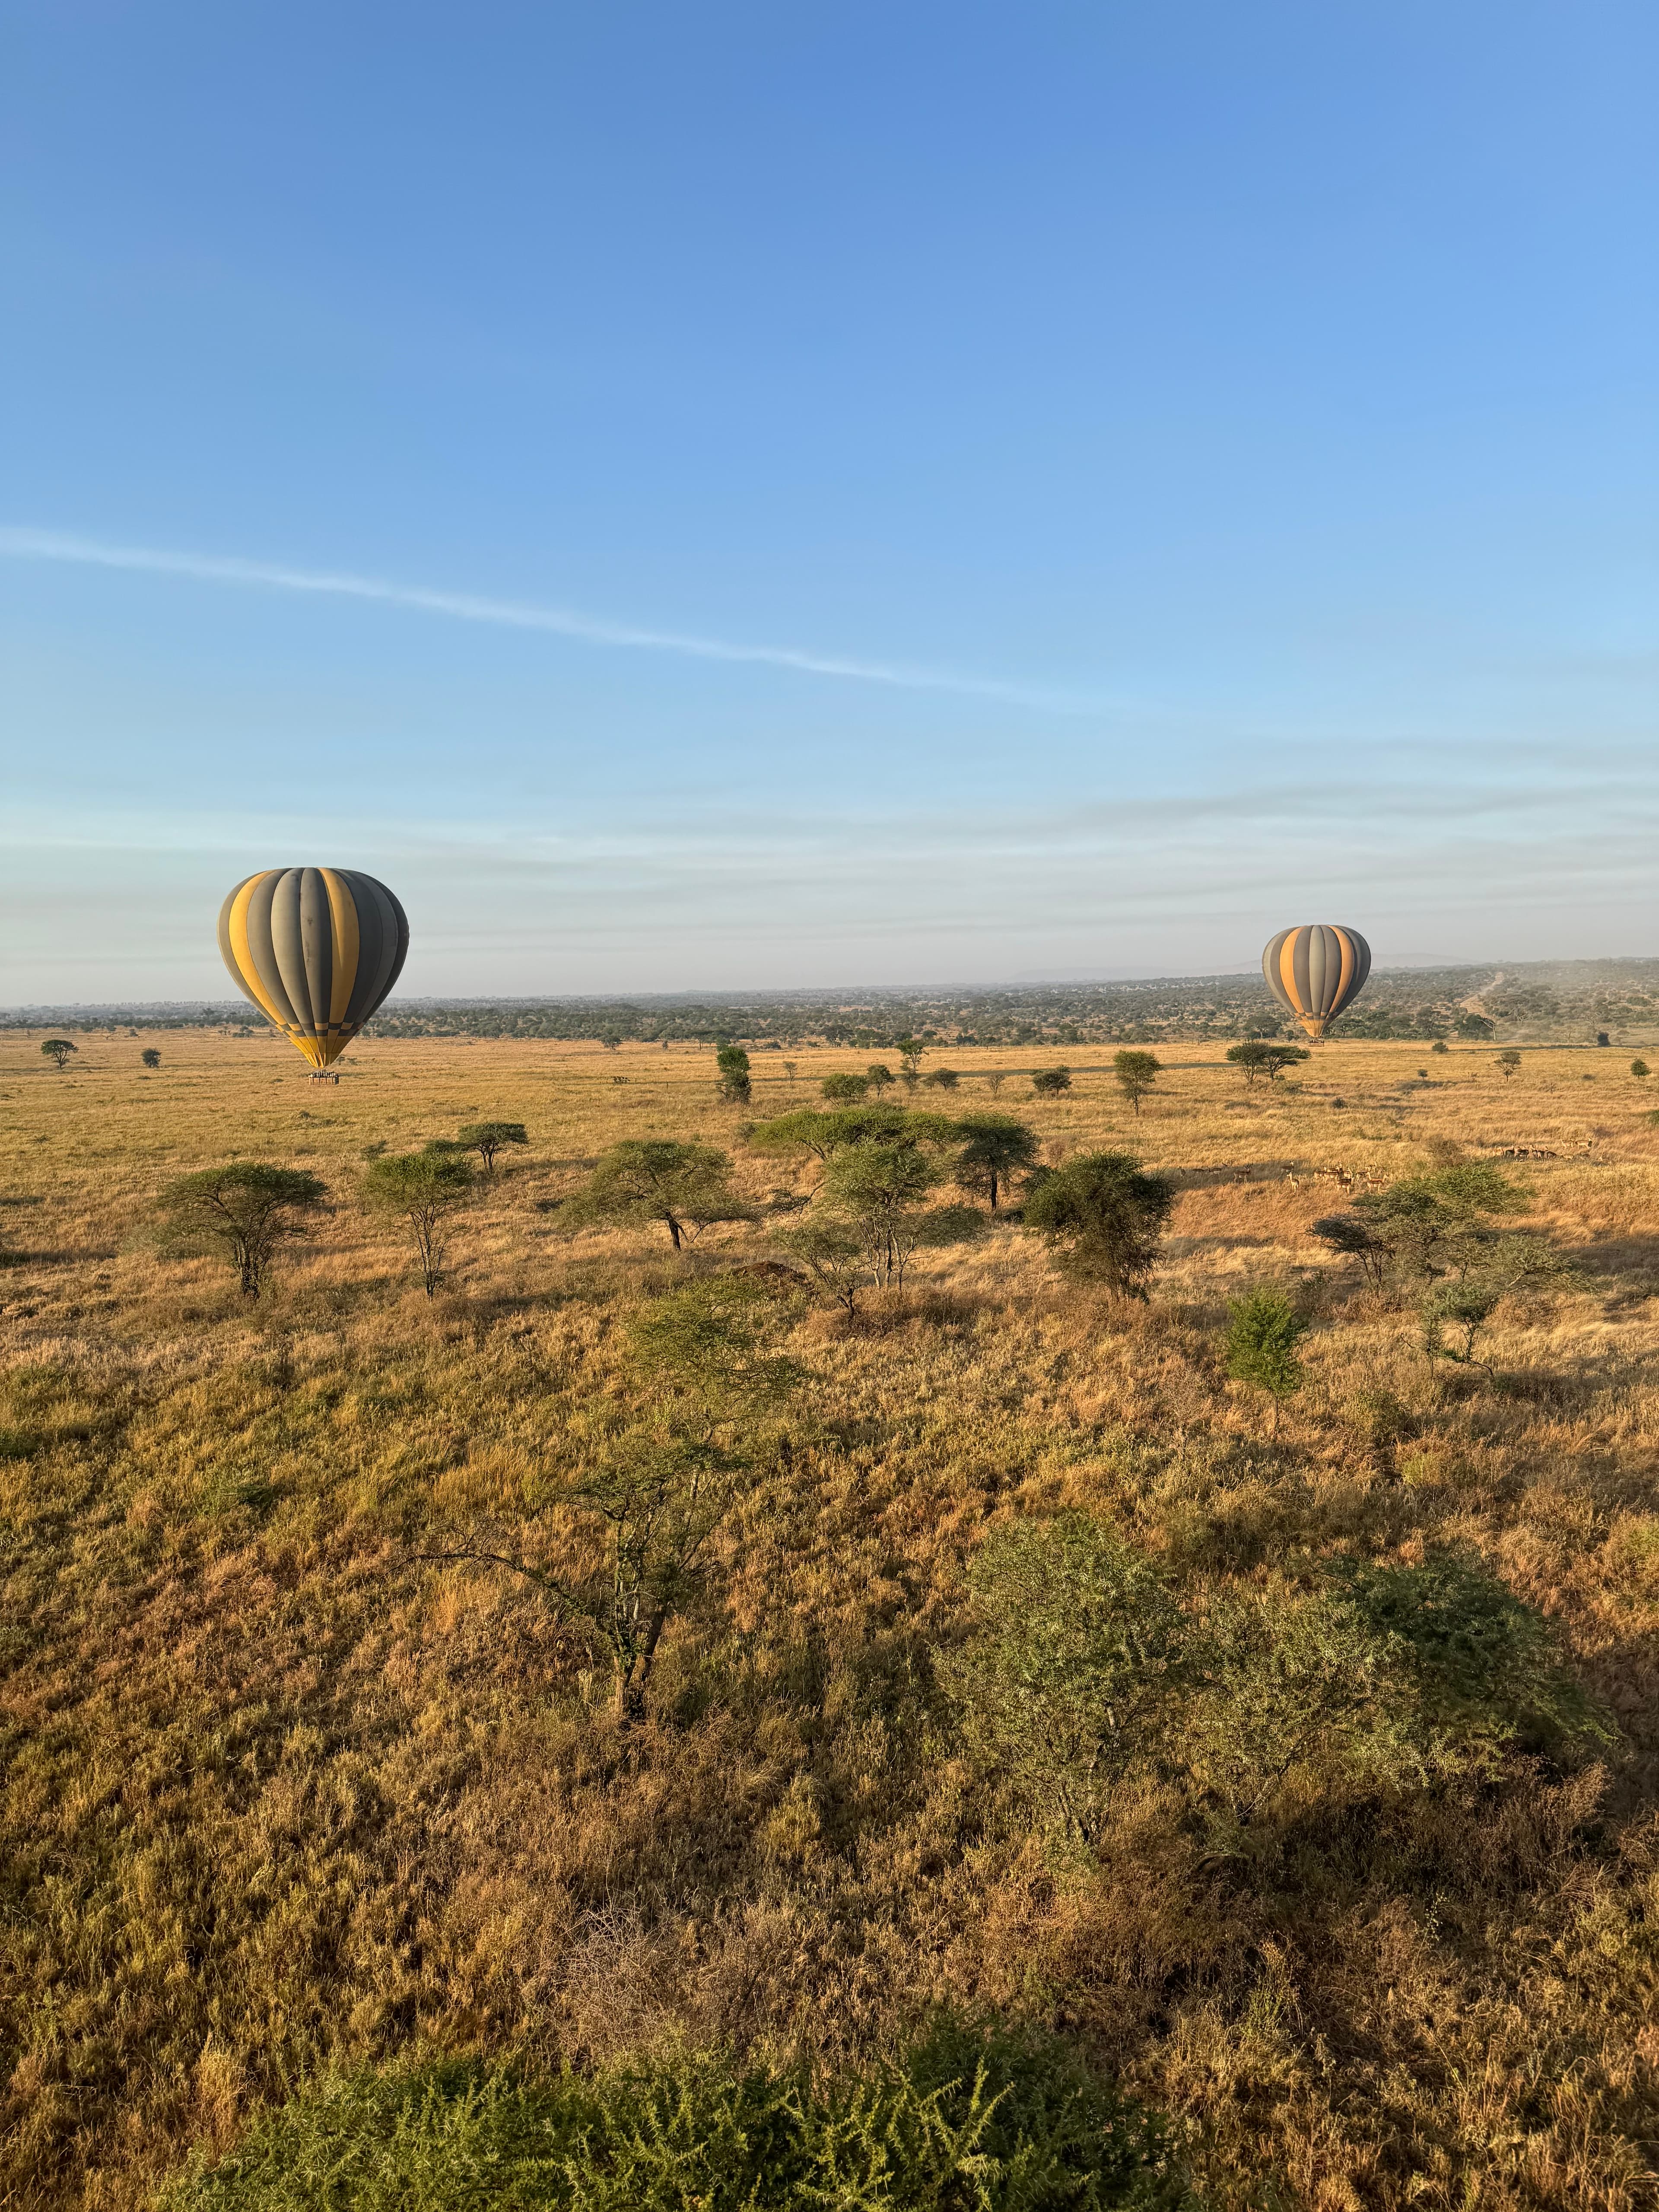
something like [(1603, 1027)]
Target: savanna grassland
[(286, 1792)]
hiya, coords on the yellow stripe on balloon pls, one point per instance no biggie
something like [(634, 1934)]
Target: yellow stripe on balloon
[(1348, 965), (1287, 971), (342, 908), (239, 948)]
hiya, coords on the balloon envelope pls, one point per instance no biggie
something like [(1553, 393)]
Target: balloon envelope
[(1316, 970), (316, 949)]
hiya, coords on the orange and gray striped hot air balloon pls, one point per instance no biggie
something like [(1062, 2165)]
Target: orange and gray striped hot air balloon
[(1316, 971), (316, 949)]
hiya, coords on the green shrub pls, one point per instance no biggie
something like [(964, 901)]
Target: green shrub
[(965, 2122), (1386, 1677), (1076, 1654), (1103, 1218), (1484, 1663), (1263, 1332), (732, 1062), (845, 1090)]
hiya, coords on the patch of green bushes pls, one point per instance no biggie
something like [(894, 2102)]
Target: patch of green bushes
[(966, 2122), (1084, 1666)]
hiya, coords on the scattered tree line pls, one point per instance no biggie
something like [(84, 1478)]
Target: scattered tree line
[(248, 1210)]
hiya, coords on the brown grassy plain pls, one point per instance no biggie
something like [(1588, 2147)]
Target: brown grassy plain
[(277, 1793)]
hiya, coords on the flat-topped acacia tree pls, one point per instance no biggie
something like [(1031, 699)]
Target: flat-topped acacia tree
[(1256, 1056), (425, 1188), (825, 1134), (995, 1147), (845, 1090), (244, 1210), (486, 1139), (645, 1179)]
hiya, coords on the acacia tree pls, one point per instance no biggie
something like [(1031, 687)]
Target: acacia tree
[(1136, 1073), (149, 1057), (1256, 1056), (825, 1134), (1104, 1218), (58, 1051), (425, 1188), (645, 1179), (1439, 1224), (1510, 1266), (995, 1147), (1348, 1234), (910, 1050), (244, 1210), (875, 1189), (1509, 1062), (1049, 1082), (833, 1254), (881, 1078), (488, 1137)]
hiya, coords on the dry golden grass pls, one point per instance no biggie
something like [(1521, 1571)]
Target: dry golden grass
[(278, 1793)]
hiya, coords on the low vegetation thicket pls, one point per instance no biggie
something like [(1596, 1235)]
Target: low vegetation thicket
[(620, 1710), (961, 2123)]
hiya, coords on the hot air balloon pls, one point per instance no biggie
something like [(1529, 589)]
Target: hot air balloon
[(1316, 971), (316, 949)]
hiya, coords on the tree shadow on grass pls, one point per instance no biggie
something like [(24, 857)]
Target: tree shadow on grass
[(1628, 1264)]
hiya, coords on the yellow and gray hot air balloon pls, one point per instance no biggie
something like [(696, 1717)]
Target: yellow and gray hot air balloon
[(315, 949), (1316, 971)]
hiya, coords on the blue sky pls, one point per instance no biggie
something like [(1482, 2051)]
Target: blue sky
[(745, 495)]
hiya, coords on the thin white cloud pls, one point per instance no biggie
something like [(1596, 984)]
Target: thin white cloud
[(23, 545)]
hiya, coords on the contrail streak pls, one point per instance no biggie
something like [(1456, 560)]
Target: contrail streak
[(510, 614)]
